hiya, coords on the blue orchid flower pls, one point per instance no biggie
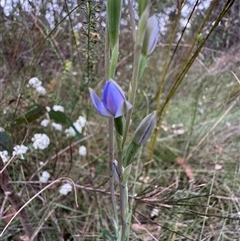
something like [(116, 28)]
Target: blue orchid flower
[(114, 103)]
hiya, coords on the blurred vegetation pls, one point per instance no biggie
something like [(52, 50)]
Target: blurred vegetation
[(191, 177)]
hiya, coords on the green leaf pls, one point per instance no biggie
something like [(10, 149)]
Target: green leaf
[(114, 8), (6, 143), (33, 113), (106, 234), (142, 65), (113, 61), (130, 153), (59, 117), (126, 174)]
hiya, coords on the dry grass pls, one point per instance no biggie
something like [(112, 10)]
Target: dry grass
[(205, 109)]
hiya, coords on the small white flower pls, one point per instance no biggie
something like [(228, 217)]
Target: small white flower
[(178, 131), (228, 124), (35, 82), (78, 126), (2, 129), (44, 177), (40, 141), (154, 212), (65, 189), (201, 111), (82, 151), (41, 90), (45, 122), (20, 150), (74, 73), (4, 156), (48, 108), (58, 108), (70, 132), (81, 120), (57, 126)]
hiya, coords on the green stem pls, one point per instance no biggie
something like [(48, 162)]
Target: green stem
[(134, 83), (136, 174), (111, 139), (111, 176), (123, 199)]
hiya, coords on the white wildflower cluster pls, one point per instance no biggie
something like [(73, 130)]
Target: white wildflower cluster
[(57, 126), (78, 124), (40, 141), (44, 177), (19, 150), (65, 189), (175, 129), (37, 85), (178, 129), (45, 122), (58, 108), (4, 156), (164, 127)]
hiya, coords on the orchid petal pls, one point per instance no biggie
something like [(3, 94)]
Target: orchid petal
[(126, 106), (98, 104), (114, 98)]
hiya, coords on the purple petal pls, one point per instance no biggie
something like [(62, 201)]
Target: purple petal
[(113, 98), (126, 106), (98, 104)]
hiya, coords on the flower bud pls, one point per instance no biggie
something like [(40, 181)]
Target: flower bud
[(151, 36), (145, 129), (114, 13)]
